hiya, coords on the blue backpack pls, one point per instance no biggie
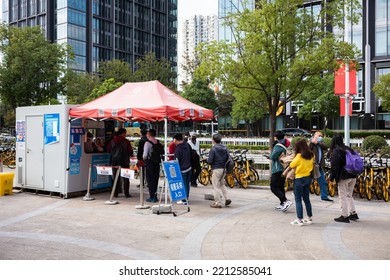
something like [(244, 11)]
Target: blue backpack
[(354, 163)]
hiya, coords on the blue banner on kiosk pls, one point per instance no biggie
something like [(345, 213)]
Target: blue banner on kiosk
[(175, 181)]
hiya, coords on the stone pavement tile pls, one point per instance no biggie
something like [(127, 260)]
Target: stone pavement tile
[(212, 251), (249, 229)]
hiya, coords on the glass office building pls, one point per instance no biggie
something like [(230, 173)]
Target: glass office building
[(372, 37), (100, 30)]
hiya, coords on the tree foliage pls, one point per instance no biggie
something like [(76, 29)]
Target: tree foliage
[(150, 68), (199, 93), (106, 87), (277, 49), (32, 67), (318, 97), (382, 90), (79, 86), (116, 69)]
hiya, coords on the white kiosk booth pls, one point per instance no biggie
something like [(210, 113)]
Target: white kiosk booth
[(51, 152)]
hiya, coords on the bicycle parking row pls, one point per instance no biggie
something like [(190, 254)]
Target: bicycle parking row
[(243, 171), (8, 155)]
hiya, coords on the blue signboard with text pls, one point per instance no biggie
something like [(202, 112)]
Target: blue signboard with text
[(51, 128), (175, 181)]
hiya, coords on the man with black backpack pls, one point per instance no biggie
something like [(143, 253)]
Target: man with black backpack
[(121, 151), (153, 150), (183, 155)]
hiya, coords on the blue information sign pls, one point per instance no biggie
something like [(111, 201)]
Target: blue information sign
[(100, 181), (51, 128), (175, 181)]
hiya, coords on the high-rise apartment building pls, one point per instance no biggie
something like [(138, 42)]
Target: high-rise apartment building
[(372, 37), (100, 30), (196, 30)]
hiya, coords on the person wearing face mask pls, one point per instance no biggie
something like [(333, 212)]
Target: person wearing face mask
[(319, 149)]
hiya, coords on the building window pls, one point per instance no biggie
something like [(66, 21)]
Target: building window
[(382, 71), (381, 28)]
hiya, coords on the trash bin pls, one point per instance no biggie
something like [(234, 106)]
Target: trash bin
[(6, 183)]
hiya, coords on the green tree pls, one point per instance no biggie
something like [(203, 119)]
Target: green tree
[(199, 93), (32, 67), (277, 49), (8, 116), (382, 90), (246, 106), (106, 87), (150, 68), (116, 69), (79, 86), (319, 98)]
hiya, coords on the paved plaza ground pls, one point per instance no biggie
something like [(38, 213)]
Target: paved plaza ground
[(38, 227)]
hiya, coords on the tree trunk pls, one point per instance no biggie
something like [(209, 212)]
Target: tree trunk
[(272, 122), (272, 105)]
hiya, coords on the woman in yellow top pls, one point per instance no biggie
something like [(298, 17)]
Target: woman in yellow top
[(303, 164)]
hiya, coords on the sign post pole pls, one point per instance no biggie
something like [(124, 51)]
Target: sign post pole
[(346, 116)]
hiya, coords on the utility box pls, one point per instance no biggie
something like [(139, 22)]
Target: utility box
[(51, 152)]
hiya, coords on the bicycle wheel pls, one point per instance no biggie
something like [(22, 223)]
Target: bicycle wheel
[(369, 192), (332, 188), (311, 187), (288, 185), (378, 188), (242, 178), (210, 176), (317, 189), (253, 175), (11, 164), (229, 179), (204, 177), (385, 191), (362, 191)]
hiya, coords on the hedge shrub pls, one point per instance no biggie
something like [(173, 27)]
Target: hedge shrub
[(294, 140), (374, 143)]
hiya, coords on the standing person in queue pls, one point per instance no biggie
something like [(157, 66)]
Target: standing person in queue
[(319, 148), (277, 181), (195, 171), (183, 155), (140, 152), (345, 181), (218, 158), (303, 164), (121, 151), (152, 157), (171, 149)]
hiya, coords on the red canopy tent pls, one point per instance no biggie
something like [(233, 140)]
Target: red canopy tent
[(143, 101)]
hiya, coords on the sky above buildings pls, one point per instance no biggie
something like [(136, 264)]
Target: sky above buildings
[(186, 9)]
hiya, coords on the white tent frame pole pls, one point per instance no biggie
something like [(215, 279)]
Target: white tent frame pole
[(166, 155)]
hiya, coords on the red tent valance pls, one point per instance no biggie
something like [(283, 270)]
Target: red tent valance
[(143, 101)]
